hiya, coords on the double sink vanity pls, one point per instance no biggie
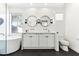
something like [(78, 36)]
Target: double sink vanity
[(39, 33), (40, 41)]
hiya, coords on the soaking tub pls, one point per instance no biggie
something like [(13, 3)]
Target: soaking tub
[(10, 45)]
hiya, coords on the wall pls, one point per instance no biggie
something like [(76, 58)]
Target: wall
[(72, 25), (40, 11)]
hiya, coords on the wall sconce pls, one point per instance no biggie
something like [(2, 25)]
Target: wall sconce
[(25, 21), (51, 21)]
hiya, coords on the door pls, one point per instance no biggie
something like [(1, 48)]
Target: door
[(46, 40), (26, 40), (43, 40), (30, 41), (51, 38), (34, 40)]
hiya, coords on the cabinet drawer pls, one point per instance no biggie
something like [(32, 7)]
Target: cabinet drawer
[(29, 35)]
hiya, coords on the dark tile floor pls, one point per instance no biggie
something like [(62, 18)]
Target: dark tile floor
[(43, 52)]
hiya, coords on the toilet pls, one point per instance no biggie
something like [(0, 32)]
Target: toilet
[(63, 43)]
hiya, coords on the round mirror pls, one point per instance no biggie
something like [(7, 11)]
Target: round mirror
[(45, 21), (31, 21), (1, 21)]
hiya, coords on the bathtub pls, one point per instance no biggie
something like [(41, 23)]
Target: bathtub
[(10, 45)]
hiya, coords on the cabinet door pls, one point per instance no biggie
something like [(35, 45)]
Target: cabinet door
[(51, 40), (30, 40), (26, 40), (43, 41), (34, 40), (46, 40)]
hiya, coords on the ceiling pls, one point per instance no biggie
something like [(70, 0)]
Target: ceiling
[(25, 5)]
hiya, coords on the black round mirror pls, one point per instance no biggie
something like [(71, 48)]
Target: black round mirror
[(45, 21), (1, 21)]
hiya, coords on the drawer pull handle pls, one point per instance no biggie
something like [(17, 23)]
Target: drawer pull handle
[(30, 36), (46, 36)]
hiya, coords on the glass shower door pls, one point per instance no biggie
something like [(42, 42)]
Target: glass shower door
[(3, 37)]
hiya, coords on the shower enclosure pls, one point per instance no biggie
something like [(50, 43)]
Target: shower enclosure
[(9, 36)]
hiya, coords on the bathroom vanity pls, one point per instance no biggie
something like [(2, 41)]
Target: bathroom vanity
[(40, 33), (40, 41)]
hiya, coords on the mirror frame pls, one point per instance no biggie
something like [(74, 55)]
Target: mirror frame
[(46, 20), (28, 18)]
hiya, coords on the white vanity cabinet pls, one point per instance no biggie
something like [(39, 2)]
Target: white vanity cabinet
[(38, 41)]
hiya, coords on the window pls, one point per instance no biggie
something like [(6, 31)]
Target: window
[(59, 16), (16, 24)]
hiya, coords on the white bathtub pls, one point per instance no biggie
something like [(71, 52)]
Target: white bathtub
[(10, 45)]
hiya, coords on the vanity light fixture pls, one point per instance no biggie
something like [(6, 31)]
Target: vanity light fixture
[(51, 21), (25, 21), (38, 21)]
